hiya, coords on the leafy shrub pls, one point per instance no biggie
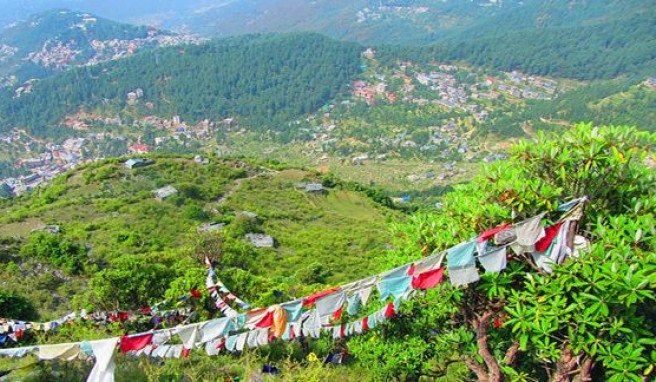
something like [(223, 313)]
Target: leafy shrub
[(57, 250)]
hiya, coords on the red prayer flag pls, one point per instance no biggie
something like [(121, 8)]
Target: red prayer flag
[(309, 300), (266, 321), (428, 279), (195, 293), (389, 312), (338, 313), (411, 270), (491, 232), (135, 343), (365, 323), (549, 234), (122, 316), (185, 352), (341, 330)]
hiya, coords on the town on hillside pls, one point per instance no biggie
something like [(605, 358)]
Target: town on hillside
[(430, 111)]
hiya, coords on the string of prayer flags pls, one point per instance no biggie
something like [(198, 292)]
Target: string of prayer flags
[(394, 286), (493, 259), (288, 321), (135, 343), (221, 294), (528, 233), (461, 264)]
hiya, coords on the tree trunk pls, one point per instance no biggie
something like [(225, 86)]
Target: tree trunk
[(477, 369), (564, 366), (481, 326), (585, 372)]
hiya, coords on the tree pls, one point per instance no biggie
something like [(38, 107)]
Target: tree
[(595, 311), (59, 251), (17, 307)]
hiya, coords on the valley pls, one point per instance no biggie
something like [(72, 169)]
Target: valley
[(432, 190)]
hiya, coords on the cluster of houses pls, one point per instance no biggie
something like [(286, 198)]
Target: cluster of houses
[(446, 84), (41, 160), (51, 160), (470, 94), (168, 129), (449, 170), (62, 54)]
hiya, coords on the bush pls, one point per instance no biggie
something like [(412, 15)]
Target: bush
[(70, 256), (16, 306)]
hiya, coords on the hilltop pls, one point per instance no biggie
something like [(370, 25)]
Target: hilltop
[(108, 221)]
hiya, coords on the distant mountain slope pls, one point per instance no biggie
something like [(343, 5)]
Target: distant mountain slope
[(60, 39), (366, 21), (256, 77), (549, 14), (600, 50)]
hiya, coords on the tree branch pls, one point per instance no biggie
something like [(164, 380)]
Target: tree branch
[(584, 373), (477, 368), (481, 326), (511, 354), (564, 366)]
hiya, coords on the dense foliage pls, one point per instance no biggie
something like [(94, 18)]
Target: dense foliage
[(592, 317), (14, 305)]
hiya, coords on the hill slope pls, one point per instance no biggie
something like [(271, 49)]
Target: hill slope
[(604, 49), (259, 77), (60, 39), (111, 225)]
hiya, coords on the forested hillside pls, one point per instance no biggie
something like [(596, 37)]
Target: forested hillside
[(603, 50), (261, 78), (598, 51)]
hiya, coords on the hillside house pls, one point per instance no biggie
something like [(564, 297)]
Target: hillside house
[(49, 229), (136, 162), (200, 160), (259, 240), (248, 214), (314, 187), (208, 227), (139, 148), (165, 192)]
